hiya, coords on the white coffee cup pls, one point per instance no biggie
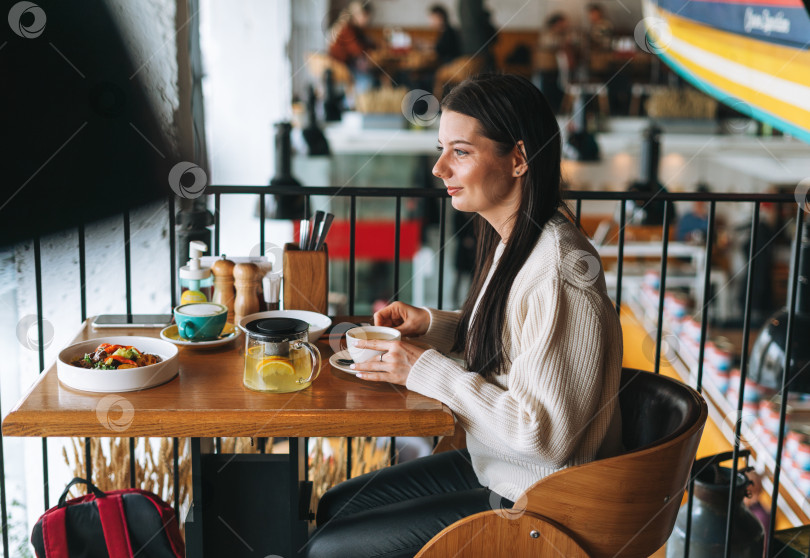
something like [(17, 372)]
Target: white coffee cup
[(363, 333)]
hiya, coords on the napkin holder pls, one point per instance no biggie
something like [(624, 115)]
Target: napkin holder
[(306, 279)]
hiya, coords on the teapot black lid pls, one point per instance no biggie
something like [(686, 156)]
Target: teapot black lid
[(276, 329)]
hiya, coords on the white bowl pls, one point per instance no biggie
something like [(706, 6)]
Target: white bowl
[(318, 323), (112, 381)]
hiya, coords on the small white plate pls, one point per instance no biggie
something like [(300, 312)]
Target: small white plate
[(333, 360), (318, 323), (229, 333)]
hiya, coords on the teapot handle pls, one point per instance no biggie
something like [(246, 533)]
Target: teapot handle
[(315, 356)]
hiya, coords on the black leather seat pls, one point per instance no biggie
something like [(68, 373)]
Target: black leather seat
[(654, 408)]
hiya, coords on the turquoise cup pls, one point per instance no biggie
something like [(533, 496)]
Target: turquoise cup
[(200, 321)]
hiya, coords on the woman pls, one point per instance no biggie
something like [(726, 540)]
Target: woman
[(540, 336), (447, 45), (555, 59), (350, 44)]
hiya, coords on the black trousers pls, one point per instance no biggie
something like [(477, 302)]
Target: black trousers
[(393, 512)]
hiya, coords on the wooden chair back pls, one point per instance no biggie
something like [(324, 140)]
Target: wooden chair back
[(627, 505), (477, 536), (619, 506)]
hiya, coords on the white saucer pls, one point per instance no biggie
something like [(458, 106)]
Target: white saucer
[(333, 360), (229, 333)]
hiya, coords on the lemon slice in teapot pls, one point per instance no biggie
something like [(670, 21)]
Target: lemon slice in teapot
[(275, 366)]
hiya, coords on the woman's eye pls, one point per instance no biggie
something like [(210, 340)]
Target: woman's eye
[(457, 152)]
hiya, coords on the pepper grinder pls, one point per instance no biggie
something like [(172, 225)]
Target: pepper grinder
[(224, 292), (246, 279)]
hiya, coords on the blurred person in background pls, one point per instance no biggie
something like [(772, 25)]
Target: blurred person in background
[(478, 35), (600, 29), (447, 46), (446, 49), (554, 57), (693, 224), (348, 43), (599, 41)]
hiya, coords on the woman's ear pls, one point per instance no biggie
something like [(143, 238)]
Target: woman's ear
[(520, 162)]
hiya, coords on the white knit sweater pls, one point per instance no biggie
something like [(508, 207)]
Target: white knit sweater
[(557, 405)]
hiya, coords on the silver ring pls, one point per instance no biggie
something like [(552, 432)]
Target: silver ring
[(381, 358)]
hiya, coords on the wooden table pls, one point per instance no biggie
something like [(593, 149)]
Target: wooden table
[(207, 400)]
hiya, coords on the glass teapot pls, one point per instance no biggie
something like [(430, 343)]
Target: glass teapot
[(279, 357)]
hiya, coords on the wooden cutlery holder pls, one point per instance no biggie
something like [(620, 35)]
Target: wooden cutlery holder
[(306, 279)]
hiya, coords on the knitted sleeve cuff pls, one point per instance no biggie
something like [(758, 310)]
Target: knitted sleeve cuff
[(442, 330), (432, 375)]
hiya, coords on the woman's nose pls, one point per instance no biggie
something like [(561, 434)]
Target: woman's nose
[(439, 169)]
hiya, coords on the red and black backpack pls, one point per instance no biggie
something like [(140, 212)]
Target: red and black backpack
[(115, 524)]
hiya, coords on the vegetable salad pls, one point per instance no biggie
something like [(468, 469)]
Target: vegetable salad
[(115, 357)]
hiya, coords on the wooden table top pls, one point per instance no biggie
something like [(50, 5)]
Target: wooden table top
[(207, 399)]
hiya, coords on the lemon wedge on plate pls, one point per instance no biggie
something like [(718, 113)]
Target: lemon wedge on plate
[(274, 366)]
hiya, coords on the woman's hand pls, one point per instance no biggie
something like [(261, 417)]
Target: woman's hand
[(395, 364), (409, 320)]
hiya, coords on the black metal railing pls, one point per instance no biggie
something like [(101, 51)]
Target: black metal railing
[(397, 194)]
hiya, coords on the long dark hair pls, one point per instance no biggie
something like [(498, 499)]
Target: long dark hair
[(508, 109)]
